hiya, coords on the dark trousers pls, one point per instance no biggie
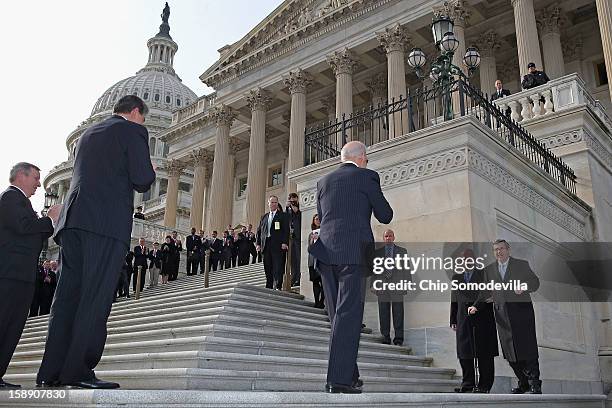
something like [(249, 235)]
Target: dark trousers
[(226, 262), (274, 266), (15, 301), (214, 263), (527, 372), (143, 273), (202, 263), (234, 260), (318, 292), (295, 263), (243, 258), (385, 310), (486, 373), (46, 297), (175, 267), (192, 263), (343, 286), (90, 267), (35, 303)]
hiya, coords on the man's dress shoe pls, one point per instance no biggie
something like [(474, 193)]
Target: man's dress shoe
[(48, 384), (519, 390), (464, 389), (480, 391), (341, 389), (357, 383), (94, 383), (5, 386), (535, 389)]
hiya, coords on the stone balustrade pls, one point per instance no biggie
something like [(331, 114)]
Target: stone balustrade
[(152, 232), (184, 200), (555, 96), (201, 105)]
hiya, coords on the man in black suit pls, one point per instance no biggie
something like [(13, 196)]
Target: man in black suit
[(202, 254), (176, 256), (216, 252), (255, 256), (500, 92), (35, 305), (244, 247), (514, 316), (228, 248), (22, 235), (391, 302), (346, 199), (111, 161), (138, 214), (272, 241), (155, 258), (295, 229), (47, 290), (141, 256), (194, 244), (476, 335)]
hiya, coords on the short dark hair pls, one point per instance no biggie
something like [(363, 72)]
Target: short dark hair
[(215, 232), (156, 243), (139, 207), (293, 195), (127, 104), (501, 241), (21, 167)]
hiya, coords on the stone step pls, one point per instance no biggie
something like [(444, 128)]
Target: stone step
[(242, 399), (232, 380), (281, 333), (240, 346), (247, 362), (256, 279)]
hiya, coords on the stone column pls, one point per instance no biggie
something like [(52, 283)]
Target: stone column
[(259, 102), (235, 146), (343, 63), (526, 30), (329, 107), (377, 87), (549, 23), (297, 82), (488, 44), (572, 53), (604, 15), (61, 192), (175, 169), (219, 197), (199, 158), (395, 40)]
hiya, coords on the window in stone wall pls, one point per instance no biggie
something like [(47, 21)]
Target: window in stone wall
[(242, 185), (601, 73), (178, 102), (146, 196), (186, 187), (163, 186), (275, 176), (152, 143), (145, 96), (156, 97), (168, 99)]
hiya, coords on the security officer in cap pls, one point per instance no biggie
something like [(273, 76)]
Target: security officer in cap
[(534, 77)]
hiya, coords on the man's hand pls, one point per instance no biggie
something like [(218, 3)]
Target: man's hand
[(284, 247), (472, 310), (54, 212), (518, 291), (454, 327), (258, 248)]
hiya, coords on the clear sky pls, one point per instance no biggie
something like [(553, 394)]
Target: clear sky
[(58, 57)]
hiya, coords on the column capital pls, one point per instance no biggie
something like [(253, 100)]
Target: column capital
[(200, 157), (258, 99), (342, 62), (488, 43), (455, 10), (395, 38), (572, 49), (550, 20), (236, 145), (222, 115), (174, 167), (298, 81), (377, 86)]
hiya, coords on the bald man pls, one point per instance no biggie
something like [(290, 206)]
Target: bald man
[(346, 199)]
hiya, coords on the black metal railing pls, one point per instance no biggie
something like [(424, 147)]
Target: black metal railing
[(426, 107)]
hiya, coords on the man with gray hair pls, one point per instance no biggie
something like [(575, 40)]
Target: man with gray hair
[(346, 199), (22, 234)]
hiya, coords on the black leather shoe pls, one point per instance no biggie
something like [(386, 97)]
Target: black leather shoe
[(48, 384), (535, 389), (519, 390), (480, 390), (341, 389), (95, 383), (5, 386), (386, 340), (358, 383), (464, 389), (398, 342)]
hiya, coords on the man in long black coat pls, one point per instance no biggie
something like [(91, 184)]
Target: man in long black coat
[(346, 200), (111, 161), (475, 334), (272, 242), (193, 243), (22, 235), (514, 316), (216, 252)]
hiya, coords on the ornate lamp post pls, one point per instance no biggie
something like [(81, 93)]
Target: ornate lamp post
[(50, 200), (443, 71)]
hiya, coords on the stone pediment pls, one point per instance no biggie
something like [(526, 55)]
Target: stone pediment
[(293, 23)]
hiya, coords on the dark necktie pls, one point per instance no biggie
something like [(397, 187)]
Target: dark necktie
[(467, 275)]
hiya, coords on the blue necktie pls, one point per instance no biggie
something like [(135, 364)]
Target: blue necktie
[(467, 275)]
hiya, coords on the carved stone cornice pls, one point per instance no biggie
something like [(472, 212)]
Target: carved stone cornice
[(394, 38), (200, 157), (258, 99), (222, 115), (328, 104), (175, 167), (550, 20), (298, 81), (377, 86), (488, 43), (236, 145), (342, 62), (455, 9)]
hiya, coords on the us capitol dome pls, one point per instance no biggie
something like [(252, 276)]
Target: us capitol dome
[(163, 91)]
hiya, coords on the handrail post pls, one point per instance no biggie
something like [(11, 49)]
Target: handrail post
[(207, 268), (138, 279), (287, 277)]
